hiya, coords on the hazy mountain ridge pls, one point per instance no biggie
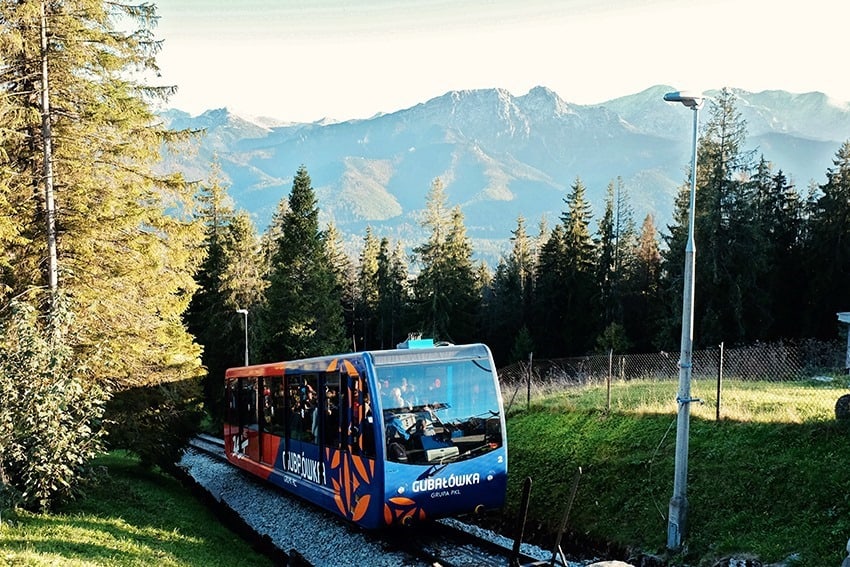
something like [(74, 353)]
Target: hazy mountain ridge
[(498, 155)]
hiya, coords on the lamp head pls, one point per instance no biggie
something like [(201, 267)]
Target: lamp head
[(242, 311), (690, 99)]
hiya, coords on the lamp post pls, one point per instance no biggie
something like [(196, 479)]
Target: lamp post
[(678, 512), (245, 313)]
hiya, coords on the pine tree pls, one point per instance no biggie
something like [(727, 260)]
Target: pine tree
[(302, 315), (445, 291), (509, 306), (368, 292), (778, 220), (606, 267), (126, 241), (346, 282), (550, 295), (828, 249), (581, 311), (643, 300), (393, 307), (228, 280), (616, 243)]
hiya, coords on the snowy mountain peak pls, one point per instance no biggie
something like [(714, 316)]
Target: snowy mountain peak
[(544, 102)]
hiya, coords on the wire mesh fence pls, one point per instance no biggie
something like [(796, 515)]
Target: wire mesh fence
[(783, 382)]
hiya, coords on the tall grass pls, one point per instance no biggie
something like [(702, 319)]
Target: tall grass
[(740, 400), (771, 478)]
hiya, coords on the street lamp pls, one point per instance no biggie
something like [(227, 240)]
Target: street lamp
[(245, 313), (678, 513)]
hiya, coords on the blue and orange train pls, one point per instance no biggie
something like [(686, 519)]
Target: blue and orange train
[(381, 437)]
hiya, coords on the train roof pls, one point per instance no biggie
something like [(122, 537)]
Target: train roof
[(379, 358)]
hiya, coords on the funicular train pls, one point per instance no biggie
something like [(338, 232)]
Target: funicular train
[(382, 437)]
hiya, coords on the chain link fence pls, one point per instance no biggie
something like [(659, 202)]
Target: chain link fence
[(773, 382)]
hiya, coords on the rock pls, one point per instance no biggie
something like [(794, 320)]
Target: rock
[(842, 407)]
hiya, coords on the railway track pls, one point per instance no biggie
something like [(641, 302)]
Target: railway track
[(209, 445), (457, 544), (447, 543)]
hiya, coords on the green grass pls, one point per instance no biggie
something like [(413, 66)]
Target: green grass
[(770, 479), (133, 517)]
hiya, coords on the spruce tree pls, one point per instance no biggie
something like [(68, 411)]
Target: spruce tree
[(616, 243), (368, 292), (550, 295), (509, 306), (393, 309), (302, 315), (581, 311), (446, 293), (729, 266), (228, 280), (778, 221), (345, 280), (643, 300), (828, 249)]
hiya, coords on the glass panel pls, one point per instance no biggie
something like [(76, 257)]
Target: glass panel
[(247, 401), (304, 403), (330, 415), (367, 424), (278, 407), (266, 405), (439, 411)]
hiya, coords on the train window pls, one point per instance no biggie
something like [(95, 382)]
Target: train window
[(271, 404), (303, 414), (232, 393), (247, 402), (278, 403), (329, 418), (363, 423), (440, 412), (266, 405)]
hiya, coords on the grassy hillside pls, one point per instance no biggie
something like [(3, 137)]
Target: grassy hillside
[(770, 481), (134, 517)]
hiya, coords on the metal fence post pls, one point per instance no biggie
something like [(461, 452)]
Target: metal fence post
[(719, 382), (610, 369)]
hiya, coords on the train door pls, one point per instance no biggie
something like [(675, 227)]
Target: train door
[(352, 466), (334, 411), (247, 440), (266, 394), (362, 426)]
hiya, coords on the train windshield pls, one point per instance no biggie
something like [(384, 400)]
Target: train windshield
[(439, 411)]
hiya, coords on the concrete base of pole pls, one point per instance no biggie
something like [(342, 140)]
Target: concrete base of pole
[(677, 522)]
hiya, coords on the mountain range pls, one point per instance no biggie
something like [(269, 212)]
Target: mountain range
[(499, 156)]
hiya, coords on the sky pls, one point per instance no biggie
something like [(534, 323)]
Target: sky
[(305, 60)]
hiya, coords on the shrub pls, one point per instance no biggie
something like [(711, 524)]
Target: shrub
[(51, 412)]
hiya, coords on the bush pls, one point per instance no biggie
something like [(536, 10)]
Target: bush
[(51, 415), (156, 422)]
